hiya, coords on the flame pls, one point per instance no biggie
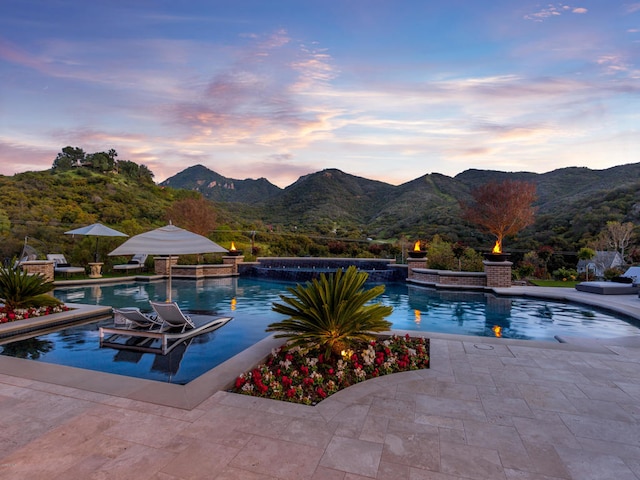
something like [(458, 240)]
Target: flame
[(416, 313), (233, 247), (497, 331), (416, 247), (497, 248), (234, 302)]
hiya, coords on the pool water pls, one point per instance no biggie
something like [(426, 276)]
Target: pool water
[(249, 302)]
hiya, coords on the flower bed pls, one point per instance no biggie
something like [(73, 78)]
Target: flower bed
[(31, 312), (305, 376)]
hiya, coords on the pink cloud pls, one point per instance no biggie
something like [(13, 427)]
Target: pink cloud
[(23, 158)]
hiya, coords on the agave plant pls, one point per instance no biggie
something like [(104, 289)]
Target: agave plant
[(19, 289), (331, 313)]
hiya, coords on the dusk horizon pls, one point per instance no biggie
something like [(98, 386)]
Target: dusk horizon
[(380, 90)]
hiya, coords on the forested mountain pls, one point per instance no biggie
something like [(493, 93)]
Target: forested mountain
[(221, 189), (573, 205)]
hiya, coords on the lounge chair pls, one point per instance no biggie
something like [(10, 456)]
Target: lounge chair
[(136, 263), (171, 315), (133, 317), (608, 288), (60, 264)]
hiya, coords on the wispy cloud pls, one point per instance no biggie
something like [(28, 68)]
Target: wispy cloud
[(553, 10)]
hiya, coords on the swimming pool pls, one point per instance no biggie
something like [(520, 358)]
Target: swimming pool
[(249, 302)]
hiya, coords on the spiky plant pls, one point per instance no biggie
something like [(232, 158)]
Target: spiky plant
[(19, 289), (331, 313)]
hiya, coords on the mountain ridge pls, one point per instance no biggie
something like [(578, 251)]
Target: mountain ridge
[(573, 203)]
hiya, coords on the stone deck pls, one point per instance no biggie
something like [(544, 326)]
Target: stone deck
[(486, 409)]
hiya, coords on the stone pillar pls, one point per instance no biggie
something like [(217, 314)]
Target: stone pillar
[(96, 269), (415, 263), (41, 267), (498, 274), (161, 264), (233, 260)]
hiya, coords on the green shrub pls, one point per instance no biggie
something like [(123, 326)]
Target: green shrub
[(565, 274), (331, 313), (19, 289)]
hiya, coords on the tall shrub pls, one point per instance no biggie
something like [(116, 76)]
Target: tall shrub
[(331, 313)]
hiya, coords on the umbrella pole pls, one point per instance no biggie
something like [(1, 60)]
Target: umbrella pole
[(169, 282), (95, 255)]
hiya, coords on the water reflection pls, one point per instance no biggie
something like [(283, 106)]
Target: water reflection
[(249, 302), (31, 348)]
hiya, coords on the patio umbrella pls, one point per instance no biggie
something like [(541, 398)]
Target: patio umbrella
[(168, 240), (97, 230)]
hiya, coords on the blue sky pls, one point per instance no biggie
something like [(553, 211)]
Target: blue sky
[(387, 90)]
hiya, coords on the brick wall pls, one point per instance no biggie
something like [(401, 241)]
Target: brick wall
[(498, 274), (39, 267)]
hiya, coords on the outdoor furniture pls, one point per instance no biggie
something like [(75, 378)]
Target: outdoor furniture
[(133, 317), (136, 263), (60, 264), (608, 288), (171, 315)]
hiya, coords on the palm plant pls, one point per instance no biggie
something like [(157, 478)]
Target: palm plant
[(19, 289), (331, 313)]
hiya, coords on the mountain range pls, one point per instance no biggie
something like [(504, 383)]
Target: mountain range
[(573, 203)]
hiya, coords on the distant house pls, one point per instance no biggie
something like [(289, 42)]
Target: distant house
[(603, 260)]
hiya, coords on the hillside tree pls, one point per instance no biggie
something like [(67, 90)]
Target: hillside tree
[(501, 208), (197, 215), (69, 157), (618, 236)]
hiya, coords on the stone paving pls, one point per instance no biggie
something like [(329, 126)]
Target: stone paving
[(486, 409)]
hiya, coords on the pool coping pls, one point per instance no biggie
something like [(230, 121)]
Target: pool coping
[(222, 377)]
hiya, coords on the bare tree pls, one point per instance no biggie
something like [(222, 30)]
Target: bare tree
[(618, 236), (195, 214), (502, 209)]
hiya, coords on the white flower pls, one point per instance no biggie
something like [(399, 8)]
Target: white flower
[(285, 364)]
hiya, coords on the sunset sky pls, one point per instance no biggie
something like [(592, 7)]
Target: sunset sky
[(384, 89)]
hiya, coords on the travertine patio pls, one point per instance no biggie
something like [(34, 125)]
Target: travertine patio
[(487, 409)]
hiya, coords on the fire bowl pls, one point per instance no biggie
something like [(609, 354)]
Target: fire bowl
[(417, 254), (234, 253), (496, 257)]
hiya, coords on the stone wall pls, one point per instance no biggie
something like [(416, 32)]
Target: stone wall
[(448, 278), (39, 267), (495, 275), (228, 268)]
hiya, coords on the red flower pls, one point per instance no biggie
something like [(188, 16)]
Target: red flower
[(304, 369), (330, 371), (291, 393), (321, 392), (321, 358), (307, 381), (240, 382), (286, 381)]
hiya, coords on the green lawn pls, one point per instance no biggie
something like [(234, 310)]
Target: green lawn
[(554, 283)]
